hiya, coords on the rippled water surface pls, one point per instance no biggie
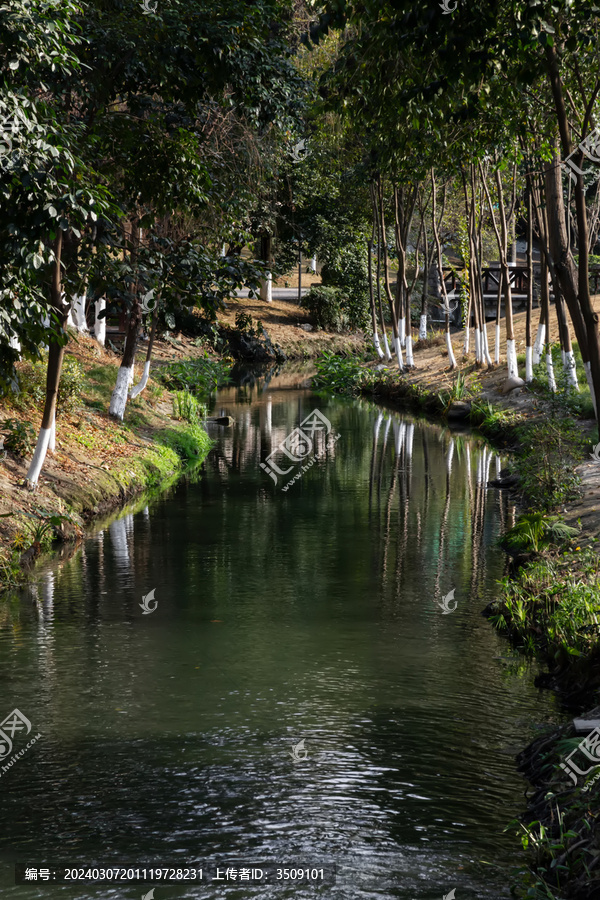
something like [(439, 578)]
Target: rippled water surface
[(311, 615)]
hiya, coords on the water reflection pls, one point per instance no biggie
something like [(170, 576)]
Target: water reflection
[(310, 614)]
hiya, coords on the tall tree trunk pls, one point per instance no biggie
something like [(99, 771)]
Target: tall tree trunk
[(545, 300), (118, 400), (386, 277), (584, 302), (564, 268), (386, 346), (56, 352), (376, 343), (440, 265), (528, 347), (146, 374), (423, 318)]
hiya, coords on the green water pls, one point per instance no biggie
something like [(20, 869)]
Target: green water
[(311, 615)]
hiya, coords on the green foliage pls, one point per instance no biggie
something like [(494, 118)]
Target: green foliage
[(41, 530), (490, 419), (186, 406), (190, 442), (32, 384), (341, 375), (550, 451), (345, 267), (552, 608), (21, 437), (244, 323), (327, 306), (199, 376), (536, 531)]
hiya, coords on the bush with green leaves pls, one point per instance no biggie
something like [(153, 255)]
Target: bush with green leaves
[(536, 531), (20, 438), (346, 267), (327, 307), (32, 384), (341, 375), (199, 377)]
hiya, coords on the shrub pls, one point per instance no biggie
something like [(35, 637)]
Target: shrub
[(21, 437), (536, 531), (197, 376), (340, 375), (32, 383), (327, 306)]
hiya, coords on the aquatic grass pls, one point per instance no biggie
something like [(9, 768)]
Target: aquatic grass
[(553, 609), (187, 407)]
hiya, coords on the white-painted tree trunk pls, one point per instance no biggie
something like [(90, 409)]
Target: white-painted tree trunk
[(266, 288), (423, 328), (511, 359), (388, 352), (79, 313), (451, 356), (131, 376), (377, 345), (588, 375), (410, 360), (550, 371), (224, 250), (398, 349), (15, 344), (118, 401), (142, 383), (538, 344), (39, 456), (100, 324), (52, 440), (570, 369), (313, 265), (402, 330), (486, 346), (497, 345), (528, 364), (477, 345)]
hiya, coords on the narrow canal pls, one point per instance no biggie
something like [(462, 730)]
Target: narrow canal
[(299, 695)]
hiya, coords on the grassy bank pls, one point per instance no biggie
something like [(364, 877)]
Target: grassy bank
[(99, 463)]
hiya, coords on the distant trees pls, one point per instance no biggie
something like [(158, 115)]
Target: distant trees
[(131, 151)]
